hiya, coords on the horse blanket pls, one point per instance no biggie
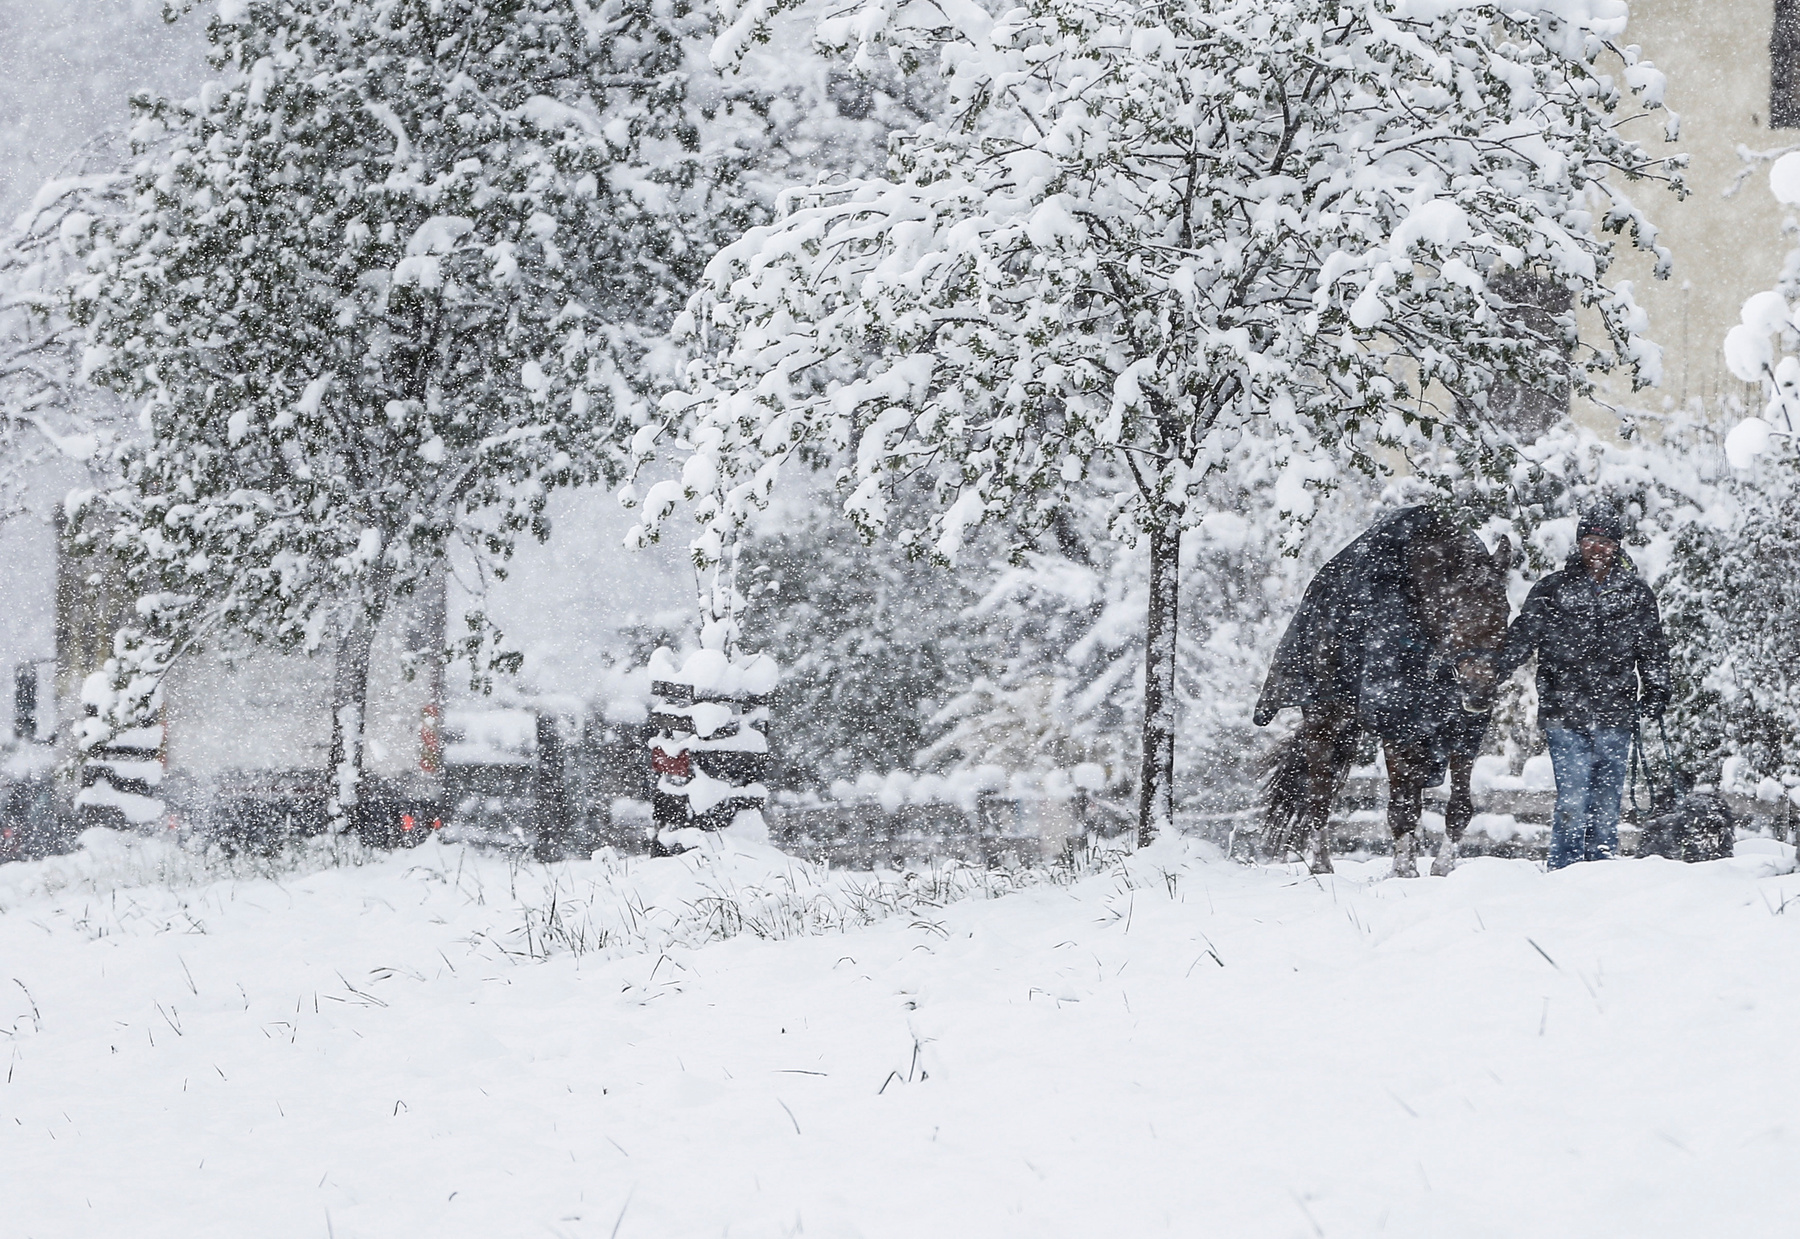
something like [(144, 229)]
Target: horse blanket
[(1360, 640)]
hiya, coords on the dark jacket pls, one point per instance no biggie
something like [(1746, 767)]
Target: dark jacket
[(1600, 648)]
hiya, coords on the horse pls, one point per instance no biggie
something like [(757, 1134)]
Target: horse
[(1397, 637)]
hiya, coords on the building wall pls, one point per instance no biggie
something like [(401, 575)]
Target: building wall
[(1727, 245)]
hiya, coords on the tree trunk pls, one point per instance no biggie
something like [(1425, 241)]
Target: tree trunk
[(1156, 785), (349, 715), (350, 711)]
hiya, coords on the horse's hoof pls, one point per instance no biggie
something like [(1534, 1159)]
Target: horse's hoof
[(1406, 856), (1440, 868)]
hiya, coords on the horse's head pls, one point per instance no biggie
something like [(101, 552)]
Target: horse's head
[(1477, 622), (1463, 588)]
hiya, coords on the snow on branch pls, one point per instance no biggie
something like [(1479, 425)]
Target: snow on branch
[(1143, 229), (45, 411)]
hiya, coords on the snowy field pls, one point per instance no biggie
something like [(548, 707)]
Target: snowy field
[(438, 1044)]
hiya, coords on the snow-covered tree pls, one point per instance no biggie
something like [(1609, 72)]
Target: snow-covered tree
[(1144, 230), (1059, 664), (404, 267)]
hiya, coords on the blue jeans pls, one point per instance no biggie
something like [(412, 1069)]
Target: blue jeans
[(1590, 777)]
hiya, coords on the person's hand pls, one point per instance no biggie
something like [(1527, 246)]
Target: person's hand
[(1654, 702)]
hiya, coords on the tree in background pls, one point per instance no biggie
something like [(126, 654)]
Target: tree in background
[(401, 270), (1060, 670), (1145, 231), (870, 644), (45, 409), (1053, 677), (1032, 663)]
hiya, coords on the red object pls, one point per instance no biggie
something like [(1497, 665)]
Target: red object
[(437, 823), (406, 822), (670, 763)]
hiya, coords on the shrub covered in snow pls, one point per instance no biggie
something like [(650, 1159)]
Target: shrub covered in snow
[(1734, 619), (1731, 605)]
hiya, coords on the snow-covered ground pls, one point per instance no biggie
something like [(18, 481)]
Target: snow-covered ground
[(423, 1045)]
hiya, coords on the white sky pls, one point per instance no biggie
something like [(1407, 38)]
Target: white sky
[(67, 68)]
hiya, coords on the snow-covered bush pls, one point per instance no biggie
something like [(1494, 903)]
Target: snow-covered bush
[(1056, 665), (1142, 232), (1762, 348), (1733, 616), (403, 268)]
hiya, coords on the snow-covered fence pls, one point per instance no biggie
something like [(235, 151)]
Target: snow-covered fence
[(984, 815), (988, 815)]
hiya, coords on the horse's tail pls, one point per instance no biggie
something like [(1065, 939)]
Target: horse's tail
[(1284, 794), (1322, 747)]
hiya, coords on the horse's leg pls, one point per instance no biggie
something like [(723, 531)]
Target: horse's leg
[(1457, 814), (1325, 738), (1320, 782), (1406, 789), (1318, 846)]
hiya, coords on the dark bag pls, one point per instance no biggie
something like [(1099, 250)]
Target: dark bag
[(1681, 824)]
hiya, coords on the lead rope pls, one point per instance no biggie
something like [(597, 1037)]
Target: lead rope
[(1675, 788), (1637, 745)]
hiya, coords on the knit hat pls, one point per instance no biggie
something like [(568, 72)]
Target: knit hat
[(1600, 522)]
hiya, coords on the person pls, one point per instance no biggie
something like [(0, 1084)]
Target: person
[(1602, 661)]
